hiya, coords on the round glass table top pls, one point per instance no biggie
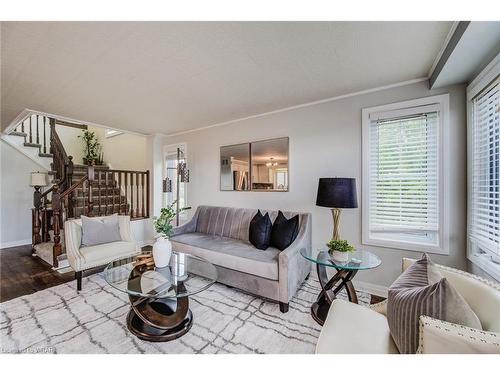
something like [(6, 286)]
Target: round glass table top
[(358, 260), (185, 275)]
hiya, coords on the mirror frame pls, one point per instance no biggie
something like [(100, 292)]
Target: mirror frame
[(250, 165)]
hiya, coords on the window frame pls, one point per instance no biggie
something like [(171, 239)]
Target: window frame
[(486, 77), (443, 101), (167, 149)]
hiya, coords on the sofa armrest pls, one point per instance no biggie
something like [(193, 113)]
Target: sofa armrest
[(440, 337), (125, 232), (293, 268), (73, 240), (188, 227)]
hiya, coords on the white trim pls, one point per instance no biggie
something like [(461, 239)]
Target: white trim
[(375, 289), (25, 113), (483, 79), (493, 270), (443, 48), (443, 172), (6, 245), (308, 104)]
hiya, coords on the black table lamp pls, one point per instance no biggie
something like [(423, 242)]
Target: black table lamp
[(337, 193)]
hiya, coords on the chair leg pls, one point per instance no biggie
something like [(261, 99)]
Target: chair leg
[(284, 307), (78, 277)]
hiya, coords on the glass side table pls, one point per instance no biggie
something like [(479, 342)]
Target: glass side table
[(330, 287)]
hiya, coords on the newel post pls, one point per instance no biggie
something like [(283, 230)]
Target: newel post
[(56, 208), (90, 176), (35, 218), (69, 179)]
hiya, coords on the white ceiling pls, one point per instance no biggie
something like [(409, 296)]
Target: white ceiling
[(166, 77)]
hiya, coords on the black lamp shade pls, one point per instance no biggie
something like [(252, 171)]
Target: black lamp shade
[(337, 193)]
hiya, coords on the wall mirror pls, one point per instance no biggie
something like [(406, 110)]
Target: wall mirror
[(269, 160), (257, 166), (235, 167)]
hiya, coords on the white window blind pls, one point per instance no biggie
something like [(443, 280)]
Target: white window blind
[(403, 175), (484, 228)]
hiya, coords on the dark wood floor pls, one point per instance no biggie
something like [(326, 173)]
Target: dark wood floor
[(21, 274)]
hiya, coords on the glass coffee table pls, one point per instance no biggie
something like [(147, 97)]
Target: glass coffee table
[(330, 287), (159, 297)]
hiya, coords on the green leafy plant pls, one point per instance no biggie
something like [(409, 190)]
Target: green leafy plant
[(163, 224), (92, 147), (340, 245)]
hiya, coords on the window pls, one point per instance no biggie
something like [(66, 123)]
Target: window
[(111, 133), (173, 155), (484, 175), (402, 175)]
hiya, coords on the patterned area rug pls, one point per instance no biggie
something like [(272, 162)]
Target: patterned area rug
[(60, 320)]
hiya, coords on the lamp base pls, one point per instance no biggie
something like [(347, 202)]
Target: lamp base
[(336, 223)]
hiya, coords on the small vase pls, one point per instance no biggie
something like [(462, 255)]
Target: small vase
[(162, 251), (340, 256)]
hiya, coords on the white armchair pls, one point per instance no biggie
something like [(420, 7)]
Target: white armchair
[(83, 258), (355, 329)]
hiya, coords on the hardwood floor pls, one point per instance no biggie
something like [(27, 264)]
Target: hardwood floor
[(21, 274)]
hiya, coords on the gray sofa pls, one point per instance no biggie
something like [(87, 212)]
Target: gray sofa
[(220, 235)]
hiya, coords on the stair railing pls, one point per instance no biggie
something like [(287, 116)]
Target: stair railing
[(103, 191)]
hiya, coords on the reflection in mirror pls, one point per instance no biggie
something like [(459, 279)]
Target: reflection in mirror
[(270, 165), (235, 167)]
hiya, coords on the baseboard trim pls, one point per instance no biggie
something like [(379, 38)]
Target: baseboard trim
[(6, 245), (378, 290)]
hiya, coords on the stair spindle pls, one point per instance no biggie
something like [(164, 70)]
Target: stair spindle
[(99, 192), (22, 127), (120, 193), (106, 191), (142, 193), (137, 212), (44, 135), (147, 193), (31, 134), (126, 193), (37, 131)]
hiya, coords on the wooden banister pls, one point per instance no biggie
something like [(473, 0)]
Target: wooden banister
[(100, 191)]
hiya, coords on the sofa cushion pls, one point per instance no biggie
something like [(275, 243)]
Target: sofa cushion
[(109, 251), (350, 328), (260, 231), (229, 253), (421, 290), (100, 230), (284, 231)]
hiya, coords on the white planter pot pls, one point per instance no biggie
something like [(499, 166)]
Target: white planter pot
[(162, 251), (340, 256)]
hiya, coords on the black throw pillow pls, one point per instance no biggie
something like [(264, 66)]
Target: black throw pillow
[(284, 231), (260, 231)]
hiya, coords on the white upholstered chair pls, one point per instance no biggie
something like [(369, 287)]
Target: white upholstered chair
[(356, 329), (84, 258)]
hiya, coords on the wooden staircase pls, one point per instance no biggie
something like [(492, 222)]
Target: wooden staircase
[(76, 190)]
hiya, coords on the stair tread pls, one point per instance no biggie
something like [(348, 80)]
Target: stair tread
[(19, 134), (27, 144)]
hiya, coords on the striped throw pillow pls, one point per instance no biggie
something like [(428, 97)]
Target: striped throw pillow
[(421, 290)]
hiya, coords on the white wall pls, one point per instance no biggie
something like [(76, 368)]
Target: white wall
[(325, 141), (124, 151), (16, 196)]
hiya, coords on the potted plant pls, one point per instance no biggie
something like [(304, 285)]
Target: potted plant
[(162, 248), (91, 147), (339, 250)]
